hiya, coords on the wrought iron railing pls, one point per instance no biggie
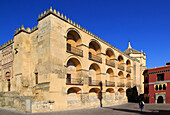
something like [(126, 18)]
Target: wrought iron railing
[(94, 82), (121, 66), (128, 84), (74, 50), (120, 84), (74, 81), (95, 57), (128, 69), (110, 62), (110, 83)]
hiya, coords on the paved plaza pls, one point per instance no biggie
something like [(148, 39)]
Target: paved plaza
[(125, 109)]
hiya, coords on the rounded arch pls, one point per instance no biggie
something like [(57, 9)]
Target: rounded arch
[(75, 57), (128, 76), (120, 74), (164, 87), (73, 38), (73, 29), (120, 59), (7, 74), (74, 62), (120, 90), (110, 53), (95, 67), (95, 45), (74, 90), (110, 90), (94, 90), (128, 63), (110, 72), (160, 99)]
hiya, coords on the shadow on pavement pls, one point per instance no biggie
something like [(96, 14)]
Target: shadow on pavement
[(154, 112)]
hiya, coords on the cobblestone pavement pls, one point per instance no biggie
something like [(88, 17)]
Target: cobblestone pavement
[(125, 109)]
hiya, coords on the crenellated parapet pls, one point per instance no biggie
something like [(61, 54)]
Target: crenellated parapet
[(64, 17), (7, 44), (27, 30), (68, 20)]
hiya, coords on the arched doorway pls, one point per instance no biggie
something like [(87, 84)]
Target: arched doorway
[(160, 99)]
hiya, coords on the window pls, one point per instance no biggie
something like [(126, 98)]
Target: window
[(156, 87), (160, 77), (160, 87), (36, 78), (68, 79), (164, 87)]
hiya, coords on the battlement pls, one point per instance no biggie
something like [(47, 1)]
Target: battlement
[(7, 44), (64, 18), (61, 16), (22, 29)]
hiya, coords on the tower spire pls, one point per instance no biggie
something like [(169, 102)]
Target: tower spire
[(129, 46)]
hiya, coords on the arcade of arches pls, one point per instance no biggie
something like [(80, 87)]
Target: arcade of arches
[(60, 65)]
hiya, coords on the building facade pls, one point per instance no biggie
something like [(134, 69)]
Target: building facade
[(157, 84), (59, 65)]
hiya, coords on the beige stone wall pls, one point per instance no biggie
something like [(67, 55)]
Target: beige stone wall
[(44, 59)]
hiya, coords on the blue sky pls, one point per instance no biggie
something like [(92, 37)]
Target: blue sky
[(146, 23)]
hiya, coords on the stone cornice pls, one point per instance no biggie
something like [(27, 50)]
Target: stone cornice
[(64, 18), (159, 82)]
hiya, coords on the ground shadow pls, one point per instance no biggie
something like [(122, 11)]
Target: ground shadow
[(153, 112)]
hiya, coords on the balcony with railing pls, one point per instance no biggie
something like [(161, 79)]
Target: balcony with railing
[(94, 82), (128, 84), (110, 62), (110, 84), (74, 81), (95, 57), (120, 84), (74, 50), (121, 66), (128, 69)]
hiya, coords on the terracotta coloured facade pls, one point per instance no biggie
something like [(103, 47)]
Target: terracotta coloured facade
[(157, 84)]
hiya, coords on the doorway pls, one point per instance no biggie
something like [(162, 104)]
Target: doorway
[(160, 99)]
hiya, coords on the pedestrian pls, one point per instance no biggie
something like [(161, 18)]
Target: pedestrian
[(141, 105)]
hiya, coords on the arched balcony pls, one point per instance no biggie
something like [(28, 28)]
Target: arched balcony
[(94, 75), (110, 78), (128, 78), (121, 79), (110, 58), (73, 72), (120, 63), (94, 51), (128, 66), (73, 43)]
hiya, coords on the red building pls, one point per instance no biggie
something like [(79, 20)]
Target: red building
[(157, 84)]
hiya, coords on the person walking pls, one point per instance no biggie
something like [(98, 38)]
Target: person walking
[(141, 105)]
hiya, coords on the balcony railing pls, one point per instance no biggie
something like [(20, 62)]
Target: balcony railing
[(128, 84), (120, 84), (110, 84), (74, 81), (94, 82), (121, 66), (128, 69), (110, 62), (95, 57), (74, 50)]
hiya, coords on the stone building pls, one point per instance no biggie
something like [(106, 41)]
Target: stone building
[(59, 65)]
